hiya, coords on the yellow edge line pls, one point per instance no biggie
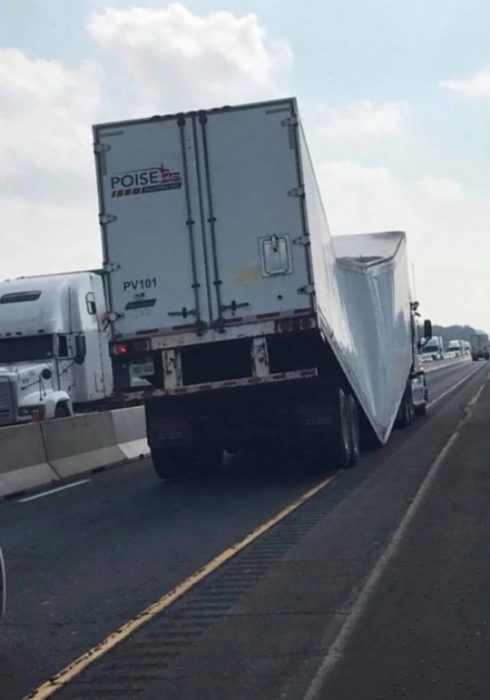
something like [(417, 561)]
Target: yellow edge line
[(78, 665)]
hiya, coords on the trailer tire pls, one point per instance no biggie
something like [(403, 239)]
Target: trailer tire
[(168, 463), (207, 461), (61, 410), (355, 431), (341, 437), (183, 462)]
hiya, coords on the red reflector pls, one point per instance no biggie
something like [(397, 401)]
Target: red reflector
[(306, 323), (285, 325), (120, 349)]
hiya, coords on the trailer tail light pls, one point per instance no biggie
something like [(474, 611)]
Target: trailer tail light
[(305, 323), (285, 325), (288, 325), (120, 348)]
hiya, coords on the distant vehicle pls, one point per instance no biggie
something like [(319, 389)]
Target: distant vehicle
[(456, 347), (251, 322), (480, 347), (433, 349), (3, 586), (54, 352)]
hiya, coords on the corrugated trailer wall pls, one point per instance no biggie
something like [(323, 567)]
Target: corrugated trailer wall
[(363, 307)]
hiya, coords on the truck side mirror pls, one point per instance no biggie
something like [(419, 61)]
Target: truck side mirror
[(46, 373), (80, 349), (427, 329)]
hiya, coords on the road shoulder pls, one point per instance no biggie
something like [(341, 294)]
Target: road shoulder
[(425, 631)]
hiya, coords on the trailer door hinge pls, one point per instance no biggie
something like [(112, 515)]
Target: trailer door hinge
[(301, 240), (101, 147), (290, 121), (107, 219), (111, 267), (307, 289), (297, 192)]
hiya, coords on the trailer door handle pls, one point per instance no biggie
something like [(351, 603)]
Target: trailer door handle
[(234, 306)]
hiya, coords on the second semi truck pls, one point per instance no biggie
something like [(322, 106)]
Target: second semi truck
[(249, 321)]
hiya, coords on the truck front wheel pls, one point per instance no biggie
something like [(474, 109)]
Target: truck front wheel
[(61, 410), (406, 411)]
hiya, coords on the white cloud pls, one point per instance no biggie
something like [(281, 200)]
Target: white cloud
[(48, 199), (476, 86), (361, 119), (46, 113), (180, 60), (43, 237), (446, 226)]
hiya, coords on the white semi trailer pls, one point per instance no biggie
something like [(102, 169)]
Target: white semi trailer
[(54, 354), (480, 346), (249, 321)]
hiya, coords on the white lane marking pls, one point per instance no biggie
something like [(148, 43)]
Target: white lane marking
[(455, 386), (48, 493), (338, 647)]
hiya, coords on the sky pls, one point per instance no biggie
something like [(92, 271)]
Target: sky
[(394, 96)]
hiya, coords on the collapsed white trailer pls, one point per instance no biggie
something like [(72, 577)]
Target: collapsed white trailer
[(247, 319)]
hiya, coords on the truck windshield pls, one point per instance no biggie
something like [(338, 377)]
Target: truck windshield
[(430, 348), (33, 347)]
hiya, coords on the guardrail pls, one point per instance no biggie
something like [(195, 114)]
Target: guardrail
[(38, 454), (434, 365)]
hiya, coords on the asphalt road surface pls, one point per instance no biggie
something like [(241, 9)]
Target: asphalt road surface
[(84, 560)]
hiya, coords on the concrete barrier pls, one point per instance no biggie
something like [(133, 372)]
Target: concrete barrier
[(130, 430), (38, 454), (23, 463), (81, 443), (443, 364)]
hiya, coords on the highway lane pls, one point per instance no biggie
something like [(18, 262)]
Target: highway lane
[(84, 560)]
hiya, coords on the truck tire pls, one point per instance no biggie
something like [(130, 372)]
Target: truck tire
[(168, 463), (406, 411), (341, 437), (61, 410), (421, 410)]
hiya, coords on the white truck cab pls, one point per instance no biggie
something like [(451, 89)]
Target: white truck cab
[(53, 346), (433, 349), (456, 348)]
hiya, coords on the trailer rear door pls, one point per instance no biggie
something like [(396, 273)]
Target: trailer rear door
[(202, 218), (253, 210)]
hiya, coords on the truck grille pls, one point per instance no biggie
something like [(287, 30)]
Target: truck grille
[(6, 403)]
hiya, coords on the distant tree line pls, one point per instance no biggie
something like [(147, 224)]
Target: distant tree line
[(454, 332)]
